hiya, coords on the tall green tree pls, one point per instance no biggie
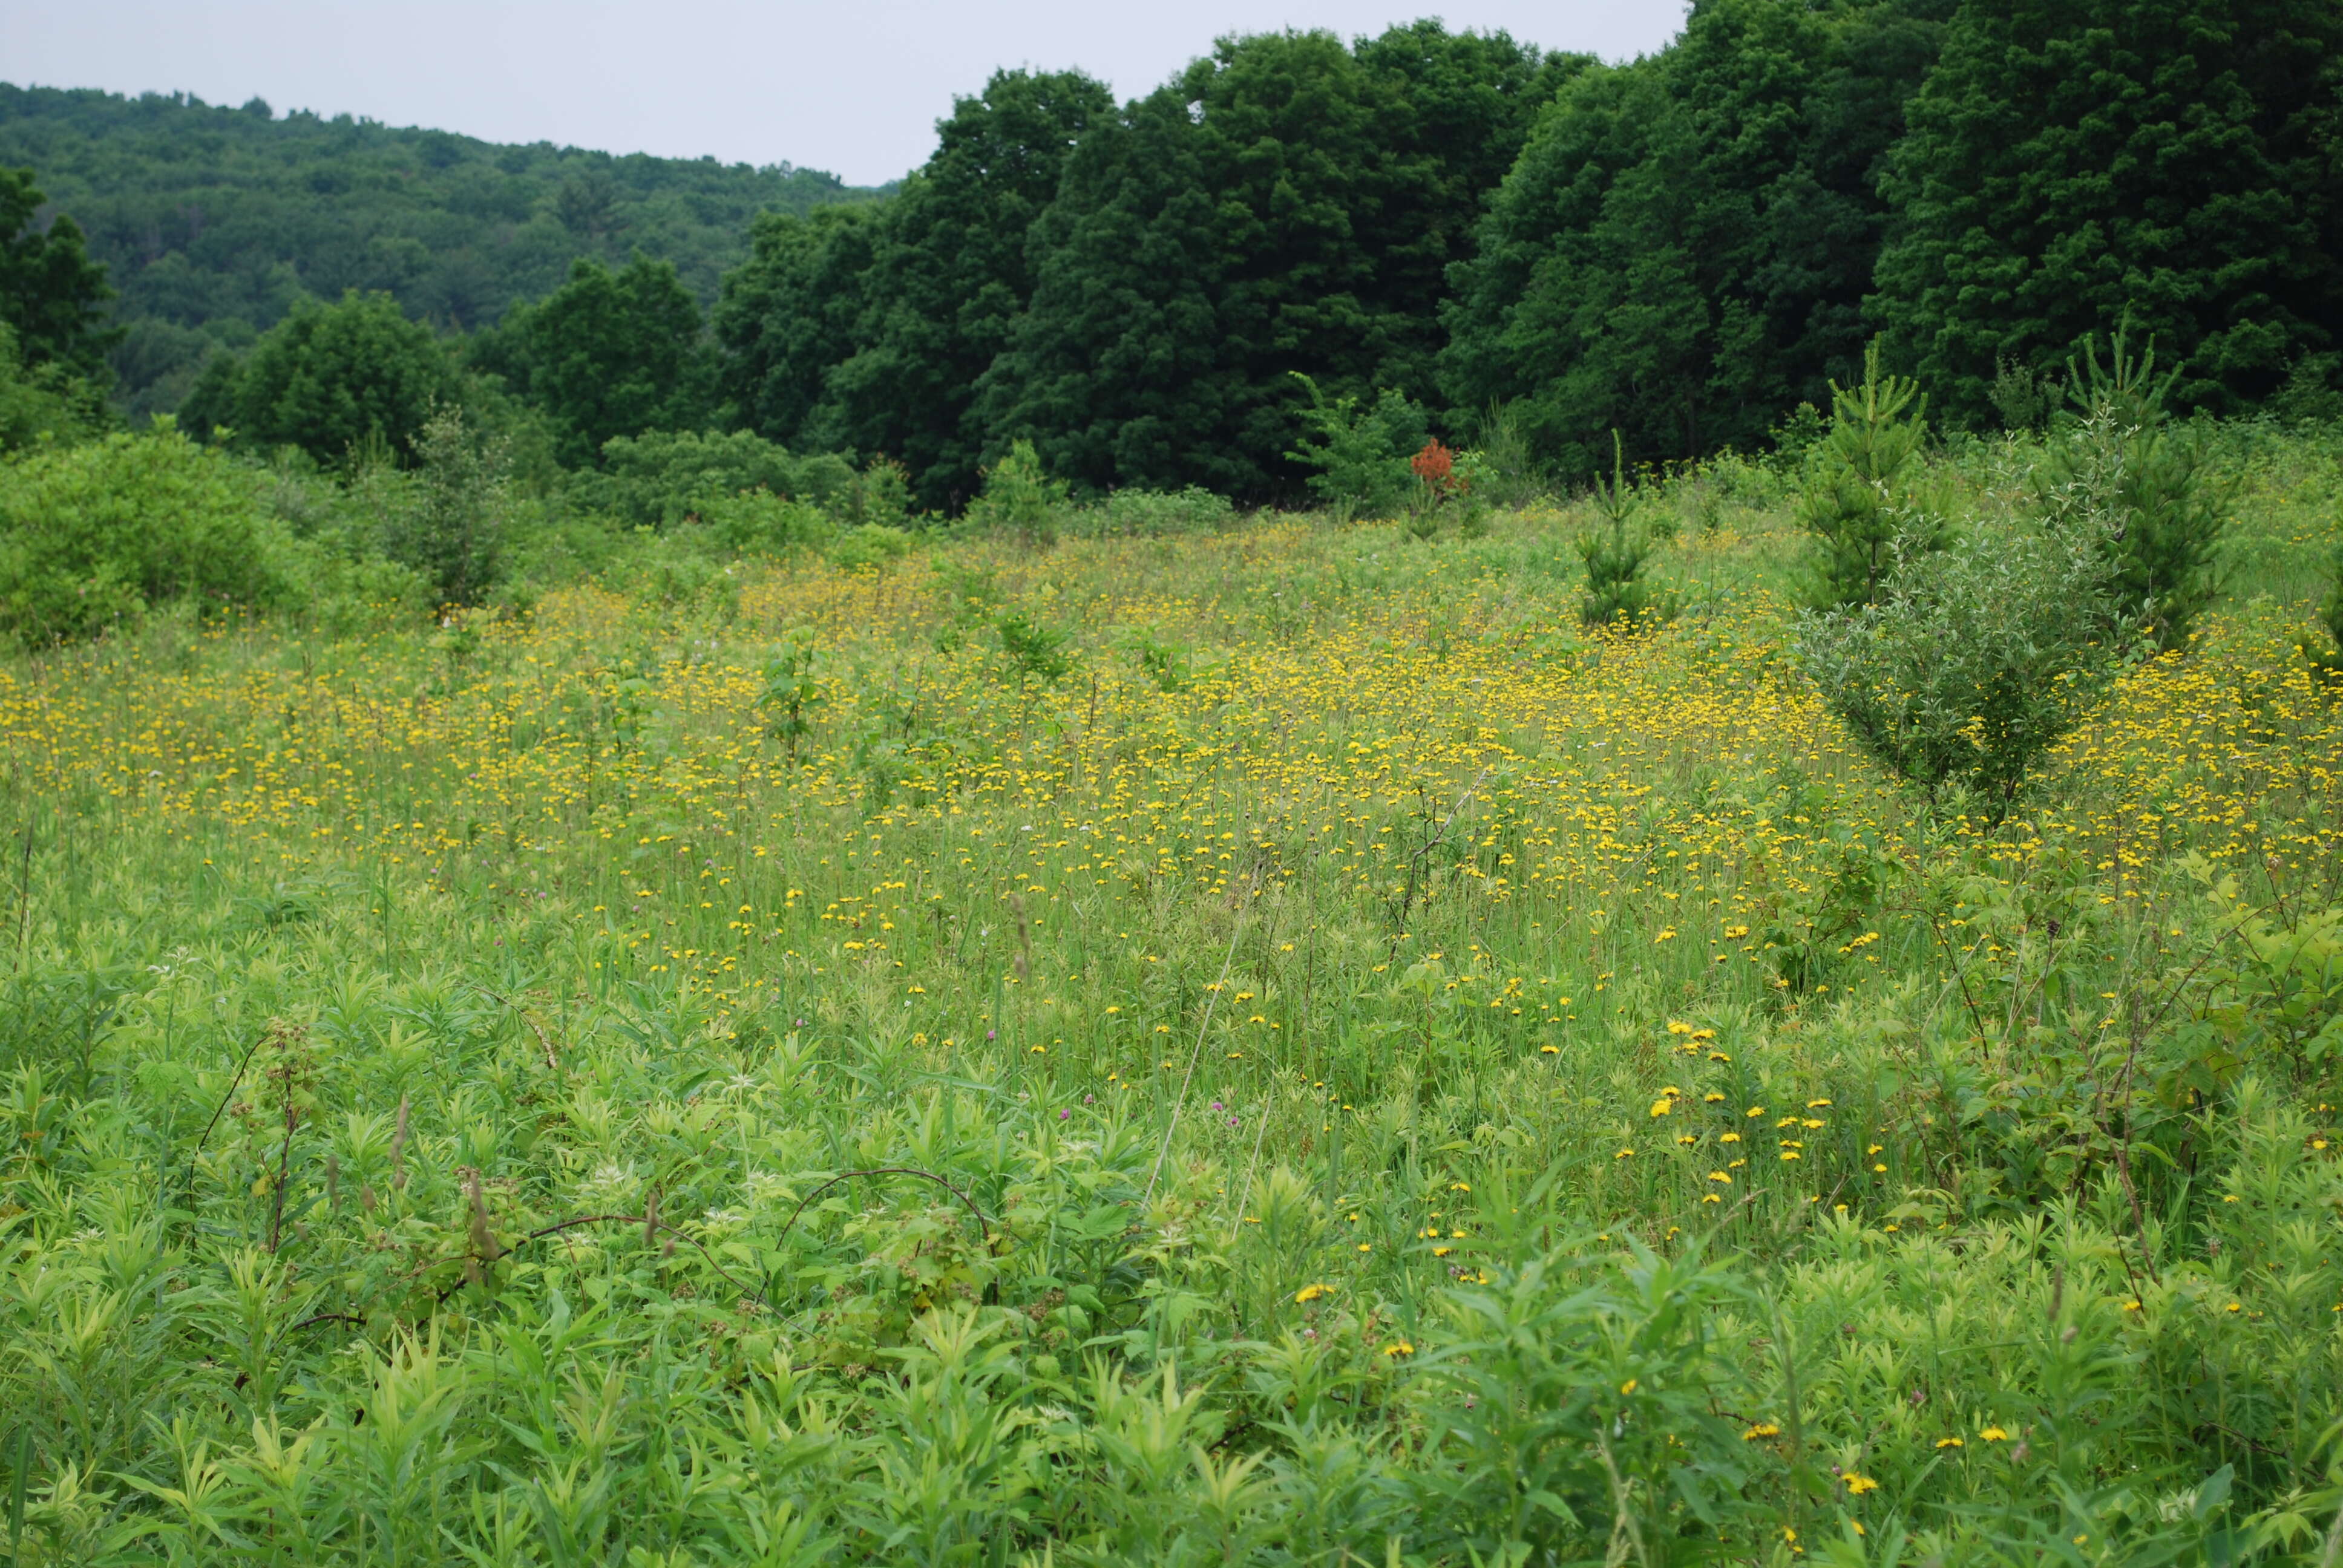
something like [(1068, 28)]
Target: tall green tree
[(52, 297), (332, 379), (2072, 160), (1122, 367), (41, 405), (788, 314), (1683, 249), (612, 354), (1286, 205), (1462, 106), (949, 276), (1562, 311)]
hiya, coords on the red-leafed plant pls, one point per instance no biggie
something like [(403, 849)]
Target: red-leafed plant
[(1436, 467)]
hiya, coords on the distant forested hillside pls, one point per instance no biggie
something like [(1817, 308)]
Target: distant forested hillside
[(212, 221)]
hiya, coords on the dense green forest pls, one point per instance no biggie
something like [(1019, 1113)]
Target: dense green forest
[(212, 221), (1683, 247), (1417, 232)]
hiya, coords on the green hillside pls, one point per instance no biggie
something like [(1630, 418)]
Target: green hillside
[(212, 220)]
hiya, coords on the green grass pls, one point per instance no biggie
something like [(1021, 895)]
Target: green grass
[(1359, 1070)]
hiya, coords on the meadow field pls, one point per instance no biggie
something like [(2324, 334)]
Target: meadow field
[(1269, 1045)]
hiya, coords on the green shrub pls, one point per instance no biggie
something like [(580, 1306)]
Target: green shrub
[(1037, 652), (2023, 397), (1360, 454), (1140, 513), (447, 520), (2119, 466), (1018, 497), (967, 595), (1723, 490), (1974, 662), (1857, 501), (2311, 396), (323, 541), (94, 533), (1501, 469), (334, 380), (880, 494), (685, 569), (2326, 659), (758, 521), (346, 589), (659, 478), (872, 548), (42, 404), (1801, 430)]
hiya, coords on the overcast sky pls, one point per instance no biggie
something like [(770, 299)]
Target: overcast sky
[(853, 86)]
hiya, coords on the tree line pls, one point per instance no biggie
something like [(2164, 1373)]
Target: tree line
[(1455, 229)]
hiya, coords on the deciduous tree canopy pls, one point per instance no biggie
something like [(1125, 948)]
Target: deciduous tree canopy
[(1683, 249), (333, 379), (2070, 161), (949, 276), (1286, 205), (609, 353)]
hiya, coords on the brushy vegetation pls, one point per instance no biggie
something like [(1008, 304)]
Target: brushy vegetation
[(1208, 1040)]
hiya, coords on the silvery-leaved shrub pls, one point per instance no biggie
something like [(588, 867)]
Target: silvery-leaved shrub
[(1974, 662), (2118, 468)]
